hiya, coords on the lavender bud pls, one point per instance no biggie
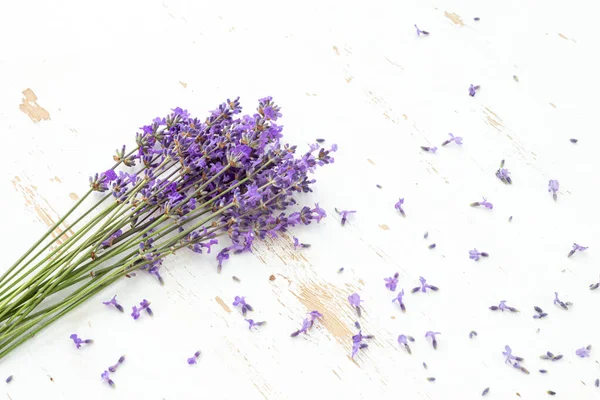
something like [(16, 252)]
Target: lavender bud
[(431, 379), (536, 308), (410, 338), (485, 391), (524, 370), (573, 140), (235, 278), (510, 219), (558, 357), (472, 334), (484, 254), (340, 270), (494, 308), (597, 383), (320, 140), (426, 235), (542, 315), (378, 186), (357, 325), (407, 347), (424, 365), (358, 311), (594, 286), (476, 19), (432, 246), (543, 371), (434, 342), (10, 378), (551, 393)]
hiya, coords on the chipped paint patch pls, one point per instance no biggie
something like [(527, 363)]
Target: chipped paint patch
[(337, 51), (553, 105), (73, 196), (455, 18), (348, 79), (371, 161), (30, 107), (41, 207), (223, 305), (384, 227), (493, 119), (183, 84)]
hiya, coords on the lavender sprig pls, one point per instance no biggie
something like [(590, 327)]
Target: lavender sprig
[(241, 301), (398, 298), (429, 149), (252, 324), (473, 90), (358, 342), (298, 245), (402, 339), (392, 282), (344, 214), (431, 335), (420, 32), (476, 255), (553, 186), (194, 359), (398, 206), (113, 302), (106, 378), (78, 342), (113, 368), (483, 203), (307, 323), (502, 306)]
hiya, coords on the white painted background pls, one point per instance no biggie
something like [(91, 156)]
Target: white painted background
[(356, 74)]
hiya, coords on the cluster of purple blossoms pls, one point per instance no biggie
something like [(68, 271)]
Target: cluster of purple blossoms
[(455, 139), (78, 342), (358, 342), (576, 248), (307, 323), (432, 335), (483, 203), (227, 175), (502, 306), (476, 255), (105, 376), (392, 282), (424, 286), (584, 351), (355, 301), (241, 301), (560, 303), (193, 360), (513, 360), (144, 305), (503, 174)]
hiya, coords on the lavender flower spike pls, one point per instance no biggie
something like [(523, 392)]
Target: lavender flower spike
[(424, 286), (576, 247), (455, 139), (78, 342), (584, 351), (399, 300), (431, 334), (429, 149), (475, 255), (105, 377), (420, 32), (398, 206), (344, 214), (253, 324), (402, 339), (391, 282), (553, 186), (502, 306), (355, 300), (193, 360), (473, 90), (113, 302), (241, 301), (484, 203)]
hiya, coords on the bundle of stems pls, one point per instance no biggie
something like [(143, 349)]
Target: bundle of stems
[(189, 184)]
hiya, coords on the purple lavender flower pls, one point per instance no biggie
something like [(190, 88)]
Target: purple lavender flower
[(314, 315), (357, 342), (306, 324), (253, 324), (398, 206), (402, 339), (298, 245), (473, 90), (106, 378), (109, 242), (78, 342), (475, 255), (424, 286), (113, 368), (399, 300), (502, 306), (484, 203), (355, 300), (222, 256), (193, 360), (503, 174), (455, 139), (136, 312), (113, 302), (576, 247), (145, 305), (560, 303), (553, 187), (420, 32), (320, 212), (392, 282), (178, 111), (429, 149), (344, 214), (431, 334), (510, 357), (584, 351), (241, 301), (9, 379)]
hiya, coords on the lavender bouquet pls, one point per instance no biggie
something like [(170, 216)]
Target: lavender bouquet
[(227, 180)]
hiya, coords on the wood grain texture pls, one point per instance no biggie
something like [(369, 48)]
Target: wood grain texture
[(355, 74)]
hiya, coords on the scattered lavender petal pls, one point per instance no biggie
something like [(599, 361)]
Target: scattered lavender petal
[(10, 378), (485, 391), (573, 140)]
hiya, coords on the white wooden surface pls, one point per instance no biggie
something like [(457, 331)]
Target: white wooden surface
[(356, 74)]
